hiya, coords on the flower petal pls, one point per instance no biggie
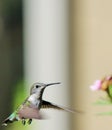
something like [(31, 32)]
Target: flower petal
[(96, 85)]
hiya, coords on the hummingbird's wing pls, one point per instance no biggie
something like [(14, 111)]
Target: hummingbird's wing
[(46, 104)]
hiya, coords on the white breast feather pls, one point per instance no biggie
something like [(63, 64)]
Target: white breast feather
[(33, 100)]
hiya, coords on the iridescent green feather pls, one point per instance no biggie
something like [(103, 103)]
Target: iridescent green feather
[(14, 116)]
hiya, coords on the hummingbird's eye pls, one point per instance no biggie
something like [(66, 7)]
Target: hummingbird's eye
[(37, 86)]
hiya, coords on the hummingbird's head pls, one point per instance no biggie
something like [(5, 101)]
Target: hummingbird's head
[(39, 87)]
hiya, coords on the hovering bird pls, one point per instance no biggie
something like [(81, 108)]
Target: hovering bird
[(29, 109)]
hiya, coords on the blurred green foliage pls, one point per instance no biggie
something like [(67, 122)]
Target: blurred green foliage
[(103, 102), (19, 94), (11, 57), (18, 98), (11, 11)]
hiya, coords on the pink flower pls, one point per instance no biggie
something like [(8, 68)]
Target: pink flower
[(96, 85), (109, 77)]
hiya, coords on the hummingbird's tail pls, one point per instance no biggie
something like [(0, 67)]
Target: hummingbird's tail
[(13, 117), (7, 121)]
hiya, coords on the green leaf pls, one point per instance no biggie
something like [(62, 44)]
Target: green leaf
[(110, 90), (105, 113), (103, 102)]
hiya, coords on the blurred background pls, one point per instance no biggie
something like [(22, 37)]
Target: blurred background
[(67, 41)]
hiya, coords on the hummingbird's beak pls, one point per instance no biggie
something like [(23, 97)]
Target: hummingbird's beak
[(52, 84)]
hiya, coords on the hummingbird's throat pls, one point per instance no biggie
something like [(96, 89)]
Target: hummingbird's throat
[(33, 99)]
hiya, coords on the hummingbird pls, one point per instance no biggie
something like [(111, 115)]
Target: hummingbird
[(30, 108)]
